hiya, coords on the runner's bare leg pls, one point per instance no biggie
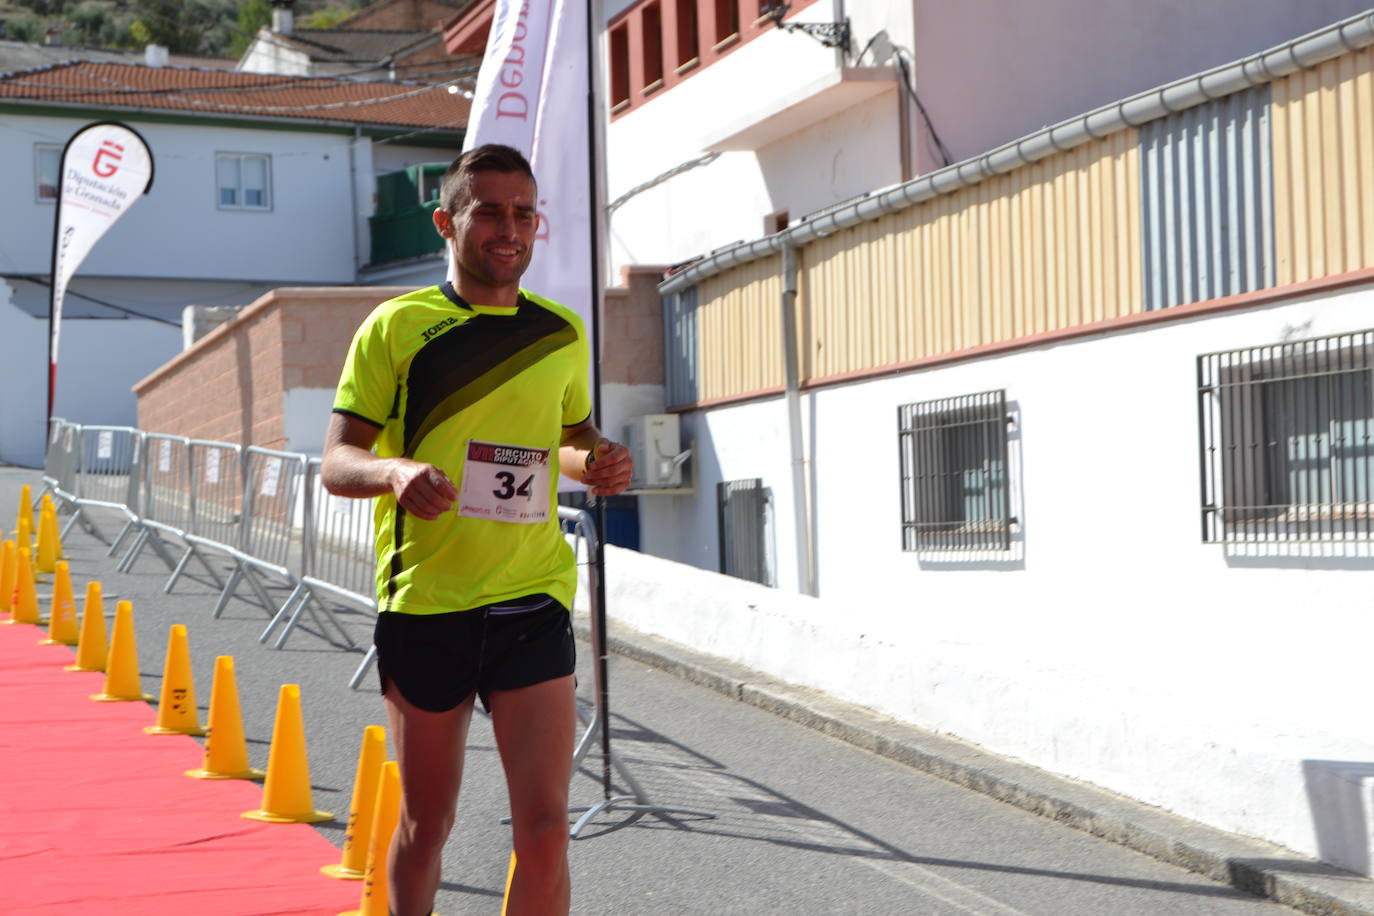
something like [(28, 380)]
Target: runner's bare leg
[(535, 728), (429, 749)]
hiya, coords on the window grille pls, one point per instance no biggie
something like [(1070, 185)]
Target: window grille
[(1287, 441), (954, 473), (743, 512)]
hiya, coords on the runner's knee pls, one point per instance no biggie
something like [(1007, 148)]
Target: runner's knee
[(542, 839), (425, 830)]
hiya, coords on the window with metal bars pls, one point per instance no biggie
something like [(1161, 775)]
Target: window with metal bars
[(1287, 441), (954, 473), (743, 508)]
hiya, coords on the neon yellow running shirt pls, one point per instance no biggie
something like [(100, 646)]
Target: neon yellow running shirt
[(479, 390)]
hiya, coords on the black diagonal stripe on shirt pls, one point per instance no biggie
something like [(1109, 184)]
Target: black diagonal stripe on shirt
[(464, 364)]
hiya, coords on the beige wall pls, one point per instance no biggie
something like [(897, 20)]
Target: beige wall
[(632, 329), (229, 386), (1324, 169)]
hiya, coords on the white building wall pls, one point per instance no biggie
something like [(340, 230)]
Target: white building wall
[(101, 359), (839, 158), (990, 71), (267, 54), (726, 200), (178, 229), (1111, 645)]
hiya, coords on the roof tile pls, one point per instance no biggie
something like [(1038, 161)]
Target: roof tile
[(237, 94)]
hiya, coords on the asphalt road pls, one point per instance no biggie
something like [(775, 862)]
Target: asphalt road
[(804, 824)]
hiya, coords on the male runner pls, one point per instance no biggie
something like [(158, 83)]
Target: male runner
[(475, 395)]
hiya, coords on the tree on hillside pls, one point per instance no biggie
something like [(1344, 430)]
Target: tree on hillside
[(97, 24), (327, 17), (183, 26), (24, 28), (253, 15)]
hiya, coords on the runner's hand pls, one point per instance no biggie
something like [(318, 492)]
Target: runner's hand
[(608, 469), (422, 490)]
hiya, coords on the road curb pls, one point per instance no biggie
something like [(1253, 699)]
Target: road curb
[(1255, 866)]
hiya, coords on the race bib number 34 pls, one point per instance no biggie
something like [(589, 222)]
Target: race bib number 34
[(505, 483)]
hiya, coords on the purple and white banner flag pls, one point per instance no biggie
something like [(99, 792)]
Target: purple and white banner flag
[(532, 94)]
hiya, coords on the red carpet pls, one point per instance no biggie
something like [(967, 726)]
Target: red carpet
[(97, 817)]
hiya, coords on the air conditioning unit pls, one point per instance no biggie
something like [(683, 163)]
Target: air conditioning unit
[(655, 443)]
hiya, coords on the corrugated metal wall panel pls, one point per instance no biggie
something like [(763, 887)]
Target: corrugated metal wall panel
[(680, 351), (1207, 201), (1054, 244), (1324, 169), (740, 328)]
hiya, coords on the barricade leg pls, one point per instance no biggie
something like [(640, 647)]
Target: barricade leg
[(71, 522), (191, 551), (296, 594), (328, 612), (229, 587), (255, 580), (123, 532), (133, 551), (176, 573), (366, 663)]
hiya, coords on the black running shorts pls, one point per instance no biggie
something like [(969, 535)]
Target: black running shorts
[(438, 660)]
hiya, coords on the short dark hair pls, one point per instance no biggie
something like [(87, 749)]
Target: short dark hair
[(490, 157)]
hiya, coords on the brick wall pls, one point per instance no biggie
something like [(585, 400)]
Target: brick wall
[(632, 329), (228, 386)]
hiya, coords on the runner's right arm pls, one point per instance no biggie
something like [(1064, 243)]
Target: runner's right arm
[(351, 469)]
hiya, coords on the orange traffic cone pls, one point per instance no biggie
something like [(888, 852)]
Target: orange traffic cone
[(62, 616), (92, 648), (226, 752), (9, 574), (286, 795), (25, 508), (45, 559), (510, 879), (25, 607), (370, 759), (121, 666), (23, 535), (384, 818), (176, 708)]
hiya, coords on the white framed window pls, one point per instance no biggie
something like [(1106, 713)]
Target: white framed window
[(243, 181), (47, 163)]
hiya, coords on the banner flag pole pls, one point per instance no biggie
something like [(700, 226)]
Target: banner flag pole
[(105, 168), (539, 76)]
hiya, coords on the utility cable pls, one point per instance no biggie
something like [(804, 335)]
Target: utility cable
[(109, 305)]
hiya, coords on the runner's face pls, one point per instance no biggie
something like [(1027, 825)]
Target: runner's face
[(494, 229)]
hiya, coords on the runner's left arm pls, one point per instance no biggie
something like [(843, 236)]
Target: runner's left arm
[(608, 473)]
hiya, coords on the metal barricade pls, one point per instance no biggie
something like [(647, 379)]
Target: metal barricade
[(59, 461), (164, 498), (106, 474), (216, 505), (269, 542), (339, 560)]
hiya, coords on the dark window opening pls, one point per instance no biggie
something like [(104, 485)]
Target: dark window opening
[(954, 473), (653, 45), (727, 20), (1287, 439), (620, 67), (687, 37)]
